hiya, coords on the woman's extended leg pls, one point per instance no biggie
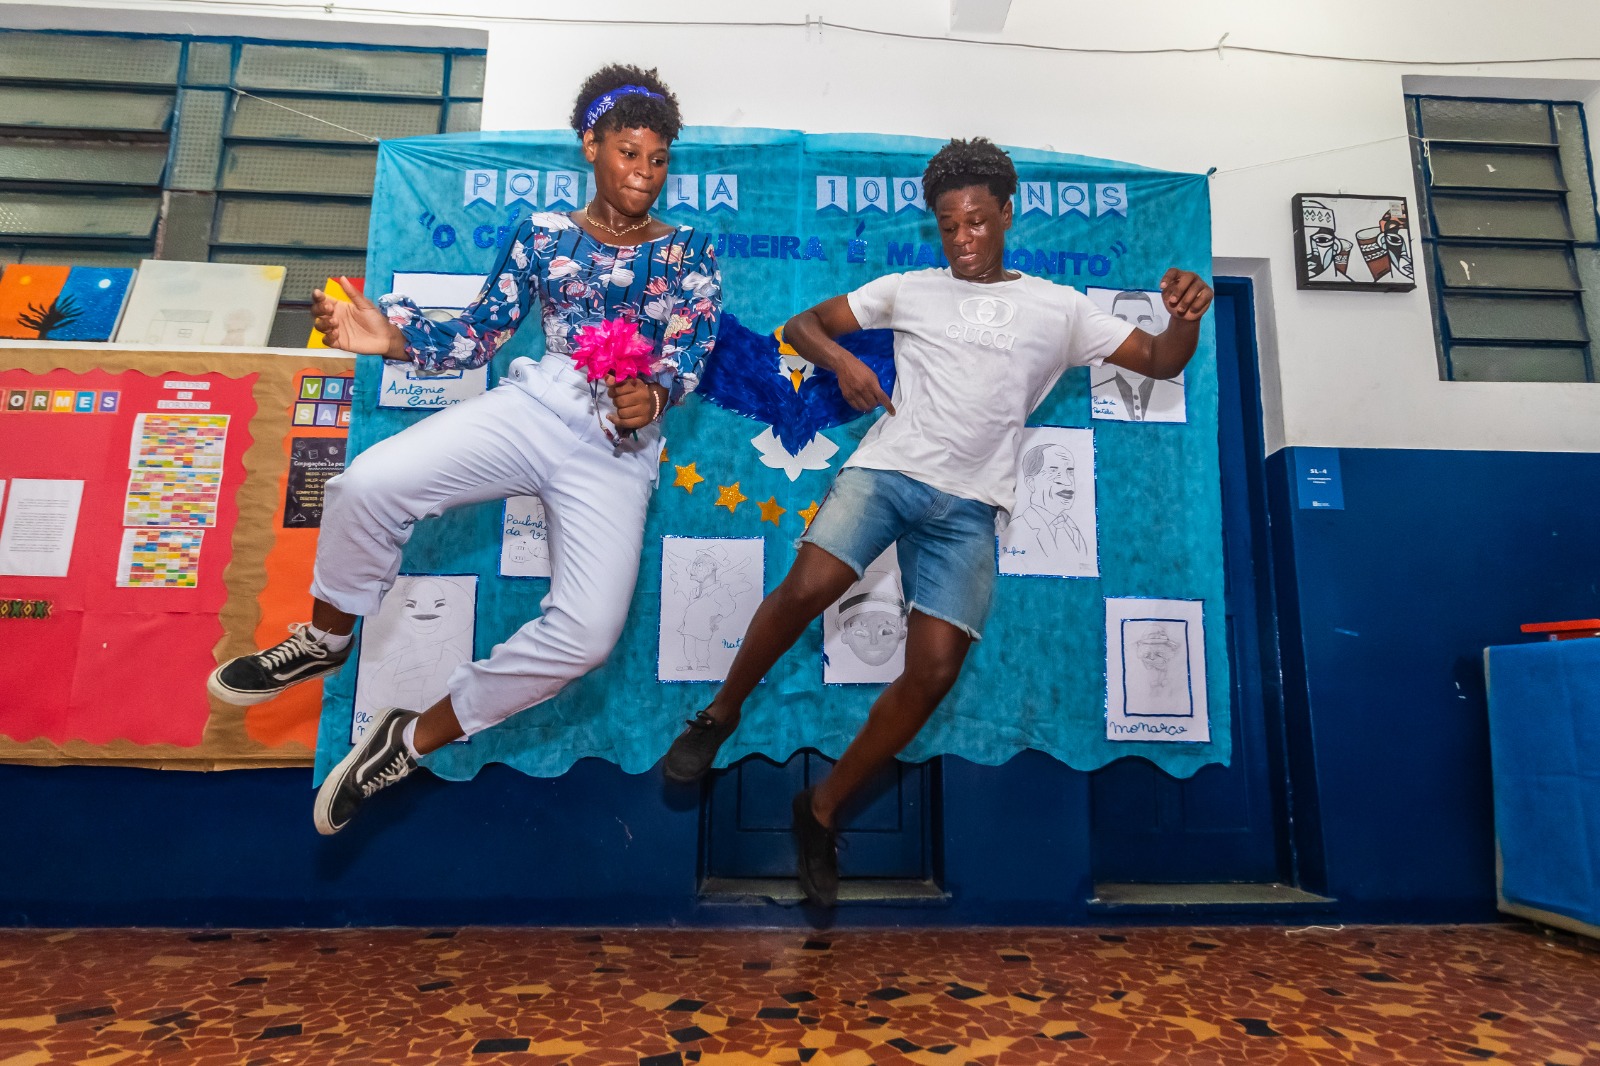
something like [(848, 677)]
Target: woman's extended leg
[(477, 450)]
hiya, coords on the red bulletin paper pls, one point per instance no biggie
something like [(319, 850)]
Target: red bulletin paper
[(113, 663)]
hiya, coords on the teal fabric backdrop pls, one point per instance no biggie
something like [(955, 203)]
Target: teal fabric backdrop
[(1037, 680)]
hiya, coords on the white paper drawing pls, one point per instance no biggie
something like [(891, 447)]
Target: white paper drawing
[(1121, 395), (1156, 670), (524, 538), (441, 297), (1052, 527), (184, 303), (423, 630), (451, 292), (41, 523), (864, 634), (710, 588)]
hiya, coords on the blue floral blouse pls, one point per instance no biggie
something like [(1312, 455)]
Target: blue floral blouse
[(669, 286)]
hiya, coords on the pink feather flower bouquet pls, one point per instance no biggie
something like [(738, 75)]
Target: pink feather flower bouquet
[(614, 349)]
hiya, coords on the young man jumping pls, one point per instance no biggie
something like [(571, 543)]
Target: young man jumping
[(977, 348)]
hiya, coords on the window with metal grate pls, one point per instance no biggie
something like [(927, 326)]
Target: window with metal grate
[(1509, 236), (119, 148)]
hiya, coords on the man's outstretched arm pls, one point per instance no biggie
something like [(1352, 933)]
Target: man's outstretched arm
[(1187, 298)]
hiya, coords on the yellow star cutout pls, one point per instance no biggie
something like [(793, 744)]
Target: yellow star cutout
[(809, 513), (730, 497), (771, 512), (687, 478)]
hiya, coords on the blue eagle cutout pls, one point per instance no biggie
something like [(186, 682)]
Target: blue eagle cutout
[(744, 374)]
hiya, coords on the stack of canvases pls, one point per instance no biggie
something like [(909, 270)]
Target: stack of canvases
[(164, 302)]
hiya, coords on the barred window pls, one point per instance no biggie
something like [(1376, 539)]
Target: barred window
[(1509, 236), (120, 148)]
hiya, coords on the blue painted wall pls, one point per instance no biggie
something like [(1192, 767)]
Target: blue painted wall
[(114, 846), (1392, 601), (1387, 606)]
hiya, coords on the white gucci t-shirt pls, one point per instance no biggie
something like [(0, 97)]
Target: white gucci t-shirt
[(971, 363)]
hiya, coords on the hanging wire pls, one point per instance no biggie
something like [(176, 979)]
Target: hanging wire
[(1312, 155), (307, 114), (809, 22)]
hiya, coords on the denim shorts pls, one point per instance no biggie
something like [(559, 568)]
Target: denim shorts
[(946, 543)]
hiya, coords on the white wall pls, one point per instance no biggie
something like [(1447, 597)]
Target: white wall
[(1352, 370)]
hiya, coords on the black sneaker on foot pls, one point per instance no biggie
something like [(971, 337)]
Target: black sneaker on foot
[(692, 754), (377, 762), (252, 679), (816, 854)]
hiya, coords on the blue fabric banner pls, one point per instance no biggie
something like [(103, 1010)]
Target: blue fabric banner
[(800, 218)]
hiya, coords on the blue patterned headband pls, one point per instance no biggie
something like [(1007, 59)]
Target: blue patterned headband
[(606, 101)]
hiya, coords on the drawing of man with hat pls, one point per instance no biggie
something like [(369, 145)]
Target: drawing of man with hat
[(1165, 661)]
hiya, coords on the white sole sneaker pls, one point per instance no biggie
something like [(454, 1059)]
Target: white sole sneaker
[(379, 747), (322, 809), (235, 697)]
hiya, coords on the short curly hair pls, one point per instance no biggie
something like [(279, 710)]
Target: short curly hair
[(634, 111), (960, 164)]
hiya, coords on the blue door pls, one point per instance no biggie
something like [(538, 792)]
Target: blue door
[(888, 830), (1223, 823)]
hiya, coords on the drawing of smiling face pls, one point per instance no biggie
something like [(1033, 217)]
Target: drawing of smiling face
[(426, 607), (874, 635), (1052, 487)]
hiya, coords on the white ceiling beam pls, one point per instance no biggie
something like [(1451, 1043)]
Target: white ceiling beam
[(978, 16)]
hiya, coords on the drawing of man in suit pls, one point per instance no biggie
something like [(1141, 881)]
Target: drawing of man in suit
[(1049, 477), (1135, 393)]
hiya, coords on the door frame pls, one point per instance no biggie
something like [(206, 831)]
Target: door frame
[(1268, 645), (1284, 693)]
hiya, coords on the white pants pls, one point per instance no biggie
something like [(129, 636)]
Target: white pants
[(536, 434)]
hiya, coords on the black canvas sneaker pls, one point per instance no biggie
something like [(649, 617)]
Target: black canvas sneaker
[(692, 754), (380, 760), (252, 679), (816, 854)]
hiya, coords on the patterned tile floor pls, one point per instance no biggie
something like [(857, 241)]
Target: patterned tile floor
[(672, 997)]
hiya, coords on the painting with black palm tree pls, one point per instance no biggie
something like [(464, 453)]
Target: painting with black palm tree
[(58, 315), (62, 303)]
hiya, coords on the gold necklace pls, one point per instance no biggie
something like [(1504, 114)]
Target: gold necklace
[(615, 232)]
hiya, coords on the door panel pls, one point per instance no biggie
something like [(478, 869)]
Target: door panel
[(888, 831), (1221, 824)]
